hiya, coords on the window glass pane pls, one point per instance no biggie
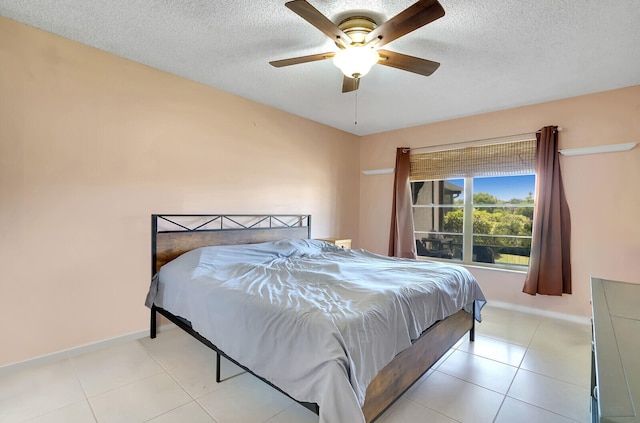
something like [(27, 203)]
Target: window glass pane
[(446, 246), (438, 216), (502, 219), (501, 250), (450, 191), (438, 219), (504, 189)]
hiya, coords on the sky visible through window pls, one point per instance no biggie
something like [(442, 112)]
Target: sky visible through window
[(506, 187)]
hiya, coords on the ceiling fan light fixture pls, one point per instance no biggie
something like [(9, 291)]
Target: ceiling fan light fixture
[(359, 39), (356, 62)]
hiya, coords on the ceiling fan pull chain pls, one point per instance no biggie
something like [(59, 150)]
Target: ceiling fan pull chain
[(356, 111)]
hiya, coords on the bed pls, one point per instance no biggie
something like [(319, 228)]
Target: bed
[(310, 315)]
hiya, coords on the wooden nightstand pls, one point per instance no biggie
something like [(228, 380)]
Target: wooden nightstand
[(340, 242)]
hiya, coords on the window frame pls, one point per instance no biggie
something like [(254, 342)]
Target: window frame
[(467, 232)]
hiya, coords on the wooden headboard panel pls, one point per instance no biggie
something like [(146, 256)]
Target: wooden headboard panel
[(173, 235)]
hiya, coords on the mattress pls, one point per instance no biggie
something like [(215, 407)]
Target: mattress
[(314, 319)]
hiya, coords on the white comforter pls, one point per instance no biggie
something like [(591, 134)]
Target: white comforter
[(316, 320)]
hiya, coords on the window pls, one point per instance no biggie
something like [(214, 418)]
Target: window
[(438, 210), (484, 216)]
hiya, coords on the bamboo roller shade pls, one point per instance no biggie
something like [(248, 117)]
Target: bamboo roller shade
[(513, 158)]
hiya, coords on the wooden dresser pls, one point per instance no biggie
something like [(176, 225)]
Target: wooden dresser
[(615, 370)]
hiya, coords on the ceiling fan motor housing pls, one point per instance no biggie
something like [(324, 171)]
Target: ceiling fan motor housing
[(357, 28)]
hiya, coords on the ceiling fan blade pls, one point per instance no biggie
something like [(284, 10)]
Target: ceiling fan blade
[(301, 59), (310, 14), (350, 84), (410, 19), (407, 63)]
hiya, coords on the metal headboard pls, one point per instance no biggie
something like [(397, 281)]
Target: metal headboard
[(175, 234)]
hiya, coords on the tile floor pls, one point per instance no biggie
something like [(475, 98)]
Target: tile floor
[(522, 368)]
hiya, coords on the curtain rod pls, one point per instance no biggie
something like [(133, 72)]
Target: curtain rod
[(498, 140)]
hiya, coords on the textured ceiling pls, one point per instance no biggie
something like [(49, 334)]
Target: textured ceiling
[(494, 54)]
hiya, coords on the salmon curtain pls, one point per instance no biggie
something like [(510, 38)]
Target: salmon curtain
[(550, 265), (402, 241)]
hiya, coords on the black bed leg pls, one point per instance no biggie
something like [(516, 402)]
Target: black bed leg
[(218, 378), (152, 326), (472, 332)]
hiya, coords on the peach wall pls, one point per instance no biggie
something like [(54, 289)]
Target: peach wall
[(91, 145), (602, 190)]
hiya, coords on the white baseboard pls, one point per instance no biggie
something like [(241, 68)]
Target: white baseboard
[(75, 351), (585, 320)]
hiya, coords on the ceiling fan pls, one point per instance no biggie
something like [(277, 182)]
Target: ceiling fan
[(359, 39)]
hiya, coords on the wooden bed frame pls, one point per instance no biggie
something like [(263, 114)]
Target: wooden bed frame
[(173, 235)]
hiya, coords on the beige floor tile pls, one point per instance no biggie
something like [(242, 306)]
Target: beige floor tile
[(139, 401), (192, 364), (551, 394), (407, 411), (442, 359), (173, 347), (495, 349), (188, 413), (78, 412), (245, 399), (572, 364), (419, 381), (481, 371), (500, 313), (198, 375), (35, 391), (509, 326), (513, 410), (113, 367), (295, 414), (558, 335), (197, 380), (457, 399), (229, 370)]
